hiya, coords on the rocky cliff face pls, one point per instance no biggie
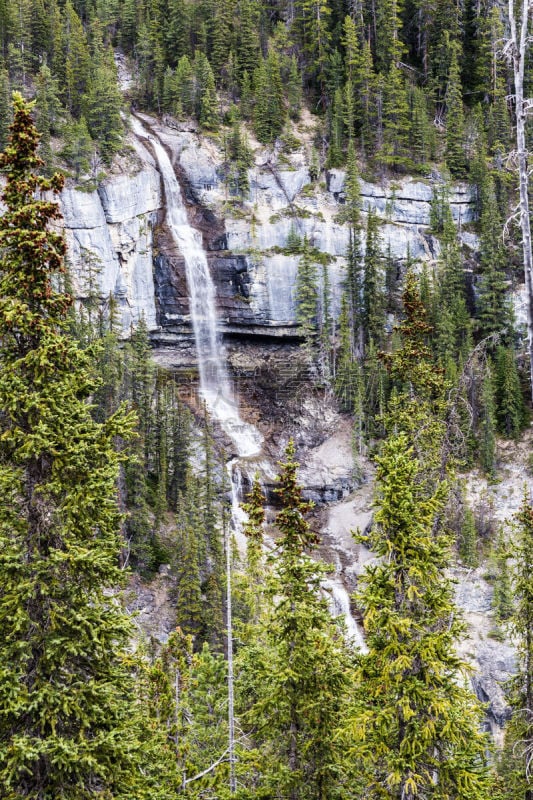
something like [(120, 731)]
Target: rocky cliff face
[(110, 237), (118, 240)]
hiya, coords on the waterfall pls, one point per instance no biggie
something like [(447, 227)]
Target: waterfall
[(215, 385), (339, 606)]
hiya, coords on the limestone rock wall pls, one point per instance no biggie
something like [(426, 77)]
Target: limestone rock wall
[(118, 244)]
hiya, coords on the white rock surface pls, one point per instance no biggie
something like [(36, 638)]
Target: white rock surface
[(109, 236)]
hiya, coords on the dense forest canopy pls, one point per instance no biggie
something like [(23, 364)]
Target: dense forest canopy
[(105, 468)]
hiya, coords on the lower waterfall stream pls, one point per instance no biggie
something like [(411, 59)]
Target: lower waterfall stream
[(215, 385)]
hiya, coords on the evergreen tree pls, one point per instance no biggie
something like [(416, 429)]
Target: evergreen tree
[(510, 408), (184, 84), (307, 297), (65, 726), (487, 425), (395, 122), (205, 94), (516, 757), (298, 677), (188, 594), (74, 61), (5, 107), (178, 36), (269, 111), (468, 538), (248, 45), (294, 90), (502, 600), (102, 106), (421, 138), (416, 729), (373, 311), (78, 146), (254, 508), (455, 154), (47, 112), (494, 311)]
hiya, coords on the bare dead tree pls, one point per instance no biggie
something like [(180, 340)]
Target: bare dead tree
[(516, 50)]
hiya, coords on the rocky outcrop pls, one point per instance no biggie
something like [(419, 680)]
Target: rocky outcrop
[(110, 240), (114, 250)]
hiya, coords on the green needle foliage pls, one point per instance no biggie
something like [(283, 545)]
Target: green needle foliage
[(415, 727), (65, 687), (515, 763), (298, 671)]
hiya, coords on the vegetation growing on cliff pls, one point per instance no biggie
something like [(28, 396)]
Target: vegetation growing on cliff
[(395, 88)]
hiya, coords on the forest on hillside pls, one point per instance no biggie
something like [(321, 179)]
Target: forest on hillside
[(105, 469)]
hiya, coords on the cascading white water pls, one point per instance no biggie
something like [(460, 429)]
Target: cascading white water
[(215, 385), (339, 605)]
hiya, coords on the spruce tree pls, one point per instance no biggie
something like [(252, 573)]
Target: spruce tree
[(510, 407), (468, 545), (78, 146), (269, 111), (307, 297), (298, 672), (455, 154), (102, 106), (487, 425), (515, 762), (415, 728), (373, 310), (494, 309), (5, 107), (65, 728)]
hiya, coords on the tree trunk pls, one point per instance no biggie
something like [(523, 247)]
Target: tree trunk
[(231, 716), (518, 42)]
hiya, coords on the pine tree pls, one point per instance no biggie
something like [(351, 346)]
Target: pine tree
[(307, 297), (468, 538), (65, 722), (455, 154), (269, 111), (414, 725), (297, 674), (5, 107), (509, 399), (516, 757), (373, 310)]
